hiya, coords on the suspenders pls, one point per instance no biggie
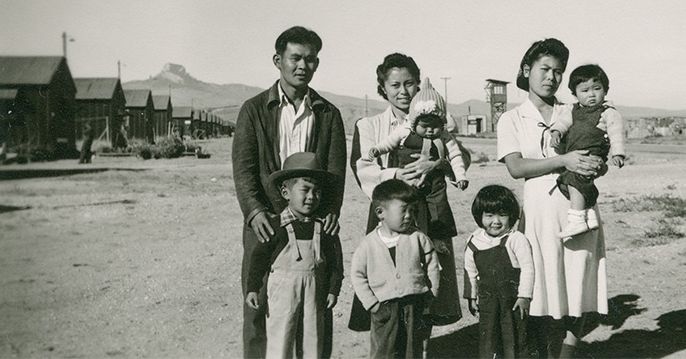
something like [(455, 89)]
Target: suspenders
[(316, 242), (440, 146)]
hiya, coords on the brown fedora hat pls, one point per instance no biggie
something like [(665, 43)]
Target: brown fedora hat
[(301, 164)]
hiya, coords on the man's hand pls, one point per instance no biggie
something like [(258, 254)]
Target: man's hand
[(260, 225), (331, 226), (522, 304), (617, 161), (375, 307), (331, 301), (555, 138), (251, 300), (440, 247), (473, 307)]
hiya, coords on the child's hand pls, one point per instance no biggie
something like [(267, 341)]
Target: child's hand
[(617, 161), (375, 307), (373, 153), (331, 301), (463, 184), (440, 247), (523, 305), (473, 306), (252, 301), (555, 138)]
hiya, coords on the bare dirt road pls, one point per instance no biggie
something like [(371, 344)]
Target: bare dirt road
[(143, 260)]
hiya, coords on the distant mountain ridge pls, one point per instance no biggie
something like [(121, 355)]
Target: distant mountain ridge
[(226, 99)]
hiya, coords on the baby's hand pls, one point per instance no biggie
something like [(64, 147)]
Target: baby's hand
[(331, 301), (463, 184), (555, 138), (251, 300), (522, 304), (375, 307), (618, 161), (473, 307), (373, 153), (441, 247)]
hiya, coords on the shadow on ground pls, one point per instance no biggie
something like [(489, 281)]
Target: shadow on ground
[(668, 339), (13, 174)]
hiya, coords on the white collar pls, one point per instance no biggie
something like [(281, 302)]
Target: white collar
[(481, 234), (284, 100), (394, 120)]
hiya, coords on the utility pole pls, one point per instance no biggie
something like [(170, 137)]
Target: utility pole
[(445, 90), (119, 69), (65, 39)]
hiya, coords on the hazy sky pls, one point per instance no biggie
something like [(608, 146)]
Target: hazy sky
[(639, 43)]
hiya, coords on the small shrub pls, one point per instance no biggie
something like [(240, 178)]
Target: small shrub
[(41, 154), (142, 150), (664, 232), (170, 147), (191, 146), (671, 206)]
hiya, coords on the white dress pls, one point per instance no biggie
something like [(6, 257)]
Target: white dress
[(570, 278)]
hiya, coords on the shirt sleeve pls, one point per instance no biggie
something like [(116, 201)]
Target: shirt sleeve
[(432, 268), (369, 173), (246, 169), (564, 120), (393, 140), (508, 137), (615, 131), (455, 157), (331, 247), (520, 247), (337, 160), (360, 279), (259, 264), (471, 290)]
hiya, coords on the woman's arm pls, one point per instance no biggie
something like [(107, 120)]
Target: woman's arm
[(368, 173), (575, 161)]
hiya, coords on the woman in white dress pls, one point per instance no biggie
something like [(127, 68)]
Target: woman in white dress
[(570, 277)]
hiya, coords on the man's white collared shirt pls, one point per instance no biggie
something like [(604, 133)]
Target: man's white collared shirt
[(295, 127)]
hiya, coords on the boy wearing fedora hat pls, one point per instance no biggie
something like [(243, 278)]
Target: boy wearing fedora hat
[(300, 259)]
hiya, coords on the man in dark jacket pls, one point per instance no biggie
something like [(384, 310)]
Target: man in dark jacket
[(289, 117)]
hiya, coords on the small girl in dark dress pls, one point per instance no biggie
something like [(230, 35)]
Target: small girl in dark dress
[(499, 274)]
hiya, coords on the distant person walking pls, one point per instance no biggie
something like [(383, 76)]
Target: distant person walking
[(88, 136), (121, 138), (570, 277), (289, 117)]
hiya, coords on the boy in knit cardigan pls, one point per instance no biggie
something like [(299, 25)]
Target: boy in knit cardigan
[(394, 272)]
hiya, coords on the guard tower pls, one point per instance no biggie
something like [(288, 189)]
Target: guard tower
[(496, 96)]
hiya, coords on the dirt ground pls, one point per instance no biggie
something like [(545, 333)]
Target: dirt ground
[(143, 260)]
